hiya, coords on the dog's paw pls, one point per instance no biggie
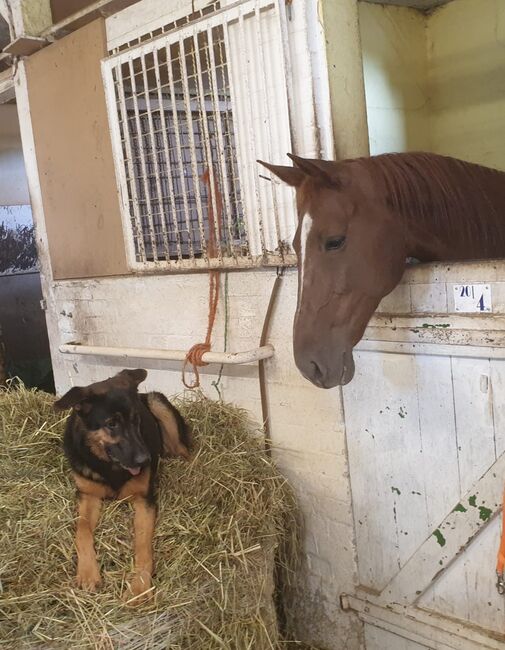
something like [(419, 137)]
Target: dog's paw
[(140, 589), (88, 577)]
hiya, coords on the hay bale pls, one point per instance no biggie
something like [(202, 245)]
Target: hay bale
[(223, 518)]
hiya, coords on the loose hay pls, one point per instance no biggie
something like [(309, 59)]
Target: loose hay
[(222, 519)]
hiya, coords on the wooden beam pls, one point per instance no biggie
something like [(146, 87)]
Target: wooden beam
[(25, 45), (31, 22), (449, 540), (426, 628), (100, 8)]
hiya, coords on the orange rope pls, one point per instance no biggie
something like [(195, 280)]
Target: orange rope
[(500, 562), (195, 354)]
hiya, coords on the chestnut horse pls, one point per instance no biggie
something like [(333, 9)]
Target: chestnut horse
[(358, 222)]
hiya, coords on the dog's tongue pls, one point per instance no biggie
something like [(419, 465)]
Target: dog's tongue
[(134, 470)]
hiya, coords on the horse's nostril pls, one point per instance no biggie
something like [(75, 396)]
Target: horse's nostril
[(317, 371)]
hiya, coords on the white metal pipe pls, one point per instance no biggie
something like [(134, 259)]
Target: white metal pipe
[(233, 358)]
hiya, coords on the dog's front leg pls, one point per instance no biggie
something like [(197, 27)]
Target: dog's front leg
[(88, 574), (144, 519)]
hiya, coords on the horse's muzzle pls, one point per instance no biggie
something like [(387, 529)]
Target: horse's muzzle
[(328, 371)]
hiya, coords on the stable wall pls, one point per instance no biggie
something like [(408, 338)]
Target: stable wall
[(171, 311), (306, 423), (13, 183), (436, 82), (466, 41), (395, 72)]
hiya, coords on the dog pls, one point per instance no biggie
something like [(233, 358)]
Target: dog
[(113, 440)]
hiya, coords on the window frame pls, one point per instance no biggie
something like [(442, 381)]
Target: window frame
[(265, 204)]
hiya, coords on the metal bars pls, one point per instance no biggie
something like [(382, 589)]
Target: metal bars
[(187, 124)]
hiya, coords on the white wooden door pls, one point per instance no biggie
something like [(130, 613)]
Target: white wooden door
[(425, 421)]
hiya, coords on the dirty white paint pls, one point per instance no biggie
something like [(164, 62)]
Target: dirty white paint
[(306, 423), (145, 311), (254, 97), (13, 183), (424, 414), (435, 83), (396, 77), (465, 45), (377, 639), (425, 437)]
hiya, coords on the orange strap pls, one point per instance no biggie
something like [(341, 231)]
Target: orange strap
[(195, 354), (500, 562)]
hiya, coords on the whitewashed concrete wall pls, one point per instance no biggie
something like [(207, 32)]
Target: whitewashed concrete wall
[(395, 70), (466, 40), (435, 82), (307, 423), (13, 183)]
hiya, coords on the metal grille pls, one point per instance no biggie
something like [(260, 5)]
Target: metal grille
[(173, 106)]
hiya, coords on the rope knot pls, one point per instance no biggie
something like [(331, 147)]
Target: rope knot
[(194, 357)]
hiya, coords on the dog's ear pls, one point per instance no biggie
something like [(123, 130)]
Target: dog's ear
[(134, 377), (72, 399)]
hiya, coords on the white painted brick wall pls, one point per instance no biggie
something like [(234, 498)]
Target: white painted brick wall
[(170, 311)]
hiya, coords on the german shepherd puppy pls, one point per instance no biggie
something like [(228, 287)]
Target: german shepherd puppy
[(113, 440)]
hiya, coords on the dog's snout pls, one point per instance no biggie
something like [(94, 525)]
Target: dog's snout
[(141, 458)]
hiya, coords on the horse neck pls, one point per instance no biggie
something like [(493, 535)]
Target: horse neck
[(429, 242), (425, 245), (449, 209)]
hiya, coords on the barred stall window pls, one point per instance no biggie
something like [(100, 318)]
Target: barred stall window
[(190, 190)]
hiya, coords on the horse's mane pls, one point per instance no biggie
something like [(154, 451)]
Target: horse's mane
[(444, 194)]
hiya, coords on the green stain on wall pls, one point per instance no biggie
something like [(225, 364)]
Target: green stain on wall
[(484, 513), (473, 501), (439, 537), (460, 508)]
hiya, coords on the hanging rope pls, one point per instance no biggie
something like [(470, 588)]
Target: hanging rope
[(500, 563), (194, 357)]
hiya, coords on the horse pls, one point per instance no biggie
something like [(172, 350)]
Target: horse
[(358, 222)]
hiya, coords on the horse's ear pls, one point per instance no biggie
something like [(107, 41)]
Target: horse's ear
[(324, 170), (290, 175)]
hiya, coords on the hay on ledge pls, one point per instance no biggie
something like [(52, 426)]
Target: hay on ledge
[(223, 519)]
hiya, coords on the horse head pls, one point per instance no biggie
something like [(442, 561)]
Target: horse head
[(351, 253)]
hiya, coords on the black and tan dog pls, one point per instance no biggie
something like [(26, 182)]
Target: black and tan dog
[(113, 440)]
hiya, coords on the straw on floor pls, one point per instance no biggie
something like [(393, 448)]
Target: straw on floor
[(224, 520)]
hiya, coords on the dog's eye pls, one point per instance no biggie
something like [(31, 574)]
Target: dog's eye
[(334, 243), (111, 423)]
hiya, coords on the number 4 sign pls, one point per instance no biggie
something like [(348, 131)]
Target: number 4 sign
[(472, 298)]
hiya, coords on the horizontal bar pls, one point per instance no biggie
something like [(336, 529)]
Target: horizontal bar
[(232, 358), (226, 14), (185, 265), (423, 626), (432, 349)]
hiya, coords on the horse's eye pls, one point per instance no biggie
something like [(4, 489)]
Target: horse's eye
[(334, 243)]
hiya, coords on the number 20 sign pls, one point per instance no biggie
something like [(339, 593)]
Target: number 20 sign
[(471, 298)]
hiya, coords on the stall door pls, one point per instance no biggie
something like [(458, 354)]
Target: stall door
[(425, 421)]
